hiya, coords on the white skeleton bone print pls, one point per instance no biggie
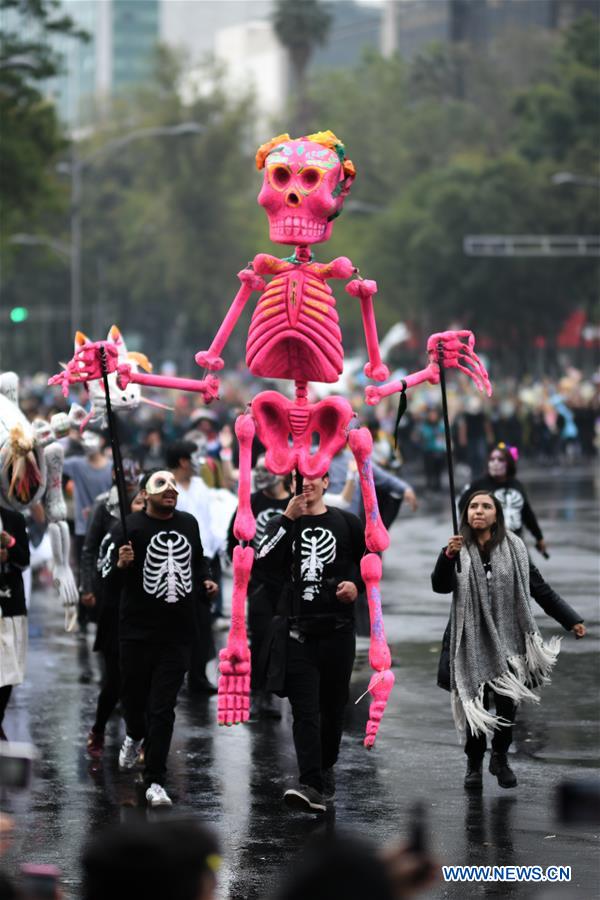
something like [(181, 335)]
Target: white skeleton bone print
[(168, 566), (261, 523), (512, 504), (317, 549), (105, 551)]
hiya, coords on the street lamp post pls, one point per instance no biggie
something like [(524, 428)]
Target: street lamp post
[(75, 169)]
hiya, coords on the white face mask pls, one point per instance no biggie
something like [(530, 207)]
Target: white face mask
[(161, 481), (497, 467), (91, 442)]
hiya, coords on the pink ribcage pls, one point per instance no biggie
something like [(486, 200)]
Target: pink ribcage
[(294, 332)]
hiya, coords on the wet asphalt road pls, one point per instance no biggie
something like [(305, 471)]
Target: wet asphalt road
[(234, 778)]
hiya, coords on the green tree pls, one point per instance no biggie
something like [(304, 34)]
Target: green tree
[(31, 135), (301, 27)]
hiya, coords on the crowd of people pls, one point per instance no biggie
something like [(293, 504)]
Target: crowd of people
[(151, 581)]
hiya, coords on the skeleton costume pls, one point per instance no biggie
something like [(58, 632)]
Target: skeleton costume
[(320, 639), (156, 624), (13, 612)]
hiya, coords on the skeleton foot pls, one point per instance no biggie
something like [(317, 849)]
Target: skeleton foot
[(233, 703), (380, 688)]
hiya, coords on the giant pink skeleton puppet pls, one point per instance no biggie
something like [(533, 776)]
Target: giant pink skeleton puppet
[(294, 335)]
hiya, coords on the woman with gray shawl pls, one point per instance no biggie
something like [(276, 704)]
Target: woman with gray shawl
[(493, 647)]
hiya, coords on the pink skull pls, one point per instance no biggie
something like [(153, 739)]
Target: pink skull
[(306, 182)]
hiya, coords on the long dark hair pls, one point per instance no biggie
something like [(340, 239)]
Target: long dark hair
[(498, 529)]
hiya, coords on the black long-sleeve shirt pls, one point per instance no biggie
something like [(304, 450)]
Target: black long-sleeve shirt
[(443, 581), (165, 580), (12, 592), (100, 522), (331, 547), (513, 500)]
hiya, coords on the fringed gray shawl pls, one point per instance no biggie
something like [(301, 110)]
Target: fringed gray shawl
[(494, 638)]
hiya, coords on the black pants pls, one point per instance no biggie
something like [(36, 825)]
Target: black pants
[(203, 645), (109, 693), (502, 739), (317, 680), (262, 605), (151, 676)]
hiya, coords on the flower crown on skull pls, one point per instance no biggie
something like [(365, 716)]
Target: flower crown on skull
[(325, 138)]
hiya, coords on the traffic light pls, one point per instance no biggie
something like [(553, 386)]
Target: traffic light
[(19, 314)]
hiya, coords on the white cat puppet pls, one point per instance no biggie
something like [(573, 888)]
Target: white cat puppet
[(130, 398), (31, 465)]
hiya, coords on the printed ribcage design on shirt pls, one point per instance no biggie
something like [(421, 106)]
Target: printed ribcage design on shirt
[(261, 523), (168, 566), (103, 560), (317, 549)]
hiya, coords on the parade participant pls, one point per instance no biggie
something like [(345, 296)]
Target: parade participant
[(495, 649), (430, 434), (322, 586), (163, 573), (95, 556), (270, 498), (14, 557), (91, 475), (501, 481), (194, 497)]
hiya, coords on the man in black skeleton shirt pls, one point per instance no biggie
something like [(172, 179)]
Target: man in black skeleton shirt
[(163, 573), (269, 499), (322, 584)]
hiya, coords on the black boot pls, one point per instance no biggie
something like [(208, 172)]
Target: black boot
[(500, 768), (473, 780)]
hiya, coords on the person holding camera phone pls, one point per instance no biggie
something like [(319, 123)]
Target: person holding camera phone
[(318, 551), (14, 557)]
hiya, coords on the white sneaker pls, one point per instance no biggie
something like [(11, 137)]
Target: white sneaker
[(157, 796), (129, 753)]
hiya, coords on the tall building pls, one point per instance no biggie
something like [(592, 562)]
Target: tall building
[(409, 25), (123, 35)]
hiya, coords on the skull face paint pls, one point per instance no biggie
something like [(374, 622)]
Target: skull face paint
[(160, 482), (304, 188), (497, 465)]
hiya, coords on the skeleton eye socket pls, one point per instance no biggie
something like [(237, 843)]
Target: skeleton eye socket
[(279, 176), (310, 178)]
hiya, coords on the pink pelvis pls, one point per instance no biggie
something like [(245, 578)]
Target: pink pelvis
[(277, 419)]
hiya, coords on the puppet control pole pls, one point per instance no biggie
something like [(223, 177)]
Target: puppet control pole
[(440, 350), (114, 443)]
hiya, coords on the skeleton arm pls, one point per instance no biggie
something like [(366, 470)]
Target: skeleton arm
[(364, 290), (453, 349), (211, 359)]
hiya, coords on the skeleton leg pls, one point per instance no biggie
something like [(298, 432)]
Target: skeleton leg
[(381, 683), (361, 445), (244, 527), (234, 659), (58, 530)]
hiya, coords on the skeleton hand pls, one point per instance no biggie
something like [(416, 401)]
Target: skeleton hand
[(86, 365), (454, 352), (380, 687), (233, 702)]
